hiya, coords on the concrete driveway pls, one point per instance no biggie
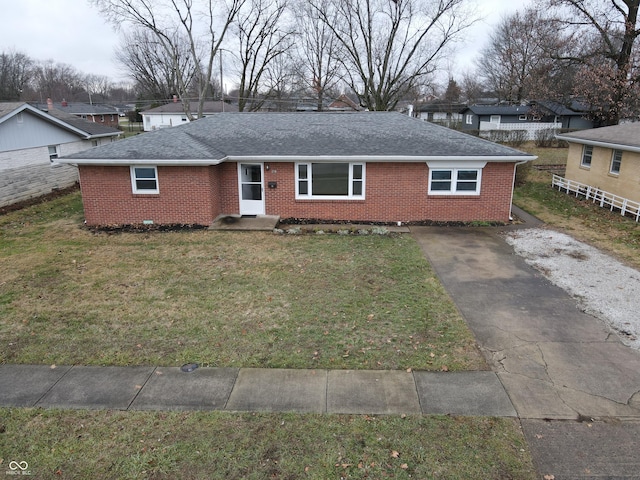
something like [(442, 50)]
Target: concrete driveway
[(555, 362)]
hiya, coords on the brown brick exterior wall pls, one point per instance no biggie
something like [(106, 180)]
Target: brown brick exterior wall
[(185, 196), (395, 192), (196, 195)]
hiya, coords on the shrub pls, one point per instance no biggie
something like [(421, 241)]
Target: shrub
[(545, 138), (517, 138)]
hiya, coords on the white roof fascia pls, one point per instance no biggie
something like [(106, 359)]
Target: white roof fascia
[(100, 135), (300, 159), (135, 161), (379, 158), (597, 143)]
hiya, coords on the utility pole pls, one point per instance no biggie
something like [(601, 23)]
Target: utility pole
[(221, 84)]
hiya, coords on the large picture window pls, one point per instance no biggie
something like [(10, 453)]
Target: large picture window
[(454, 181), (330, 180), (144, 179)]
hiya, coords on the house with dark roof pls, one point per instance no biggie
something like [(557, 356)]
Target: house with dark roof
[(531, 118), (97, 113), (31, 142), (603, 164), (172, 114), (357, 167)]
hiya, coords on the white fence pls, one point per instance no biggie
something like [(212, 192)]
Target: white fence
[(604, 199), (530, 128)]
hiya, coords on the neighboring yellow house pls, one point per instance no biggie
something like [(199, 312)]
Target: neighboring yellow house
[(603, 164)]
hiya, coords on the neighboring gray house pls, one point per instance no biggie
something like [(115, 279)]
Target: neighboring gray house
[(531, 118), (32, 140), (572, 116), (172, 114)]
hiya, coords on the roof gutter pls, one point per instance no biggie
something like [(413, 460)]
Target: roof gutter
[(295, 158), (101, 135), (378, 158), (513, 186), (597, 143), (139, 161)]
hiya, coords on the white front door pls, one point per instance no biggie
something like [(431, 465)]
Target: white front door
[(251, 188)]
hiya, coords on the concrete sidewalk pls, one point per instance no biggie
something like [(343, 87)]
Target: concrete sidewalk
[(254, 389)]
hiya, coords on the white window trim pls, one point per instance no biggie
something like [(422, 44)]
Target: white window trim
[(53, 157), (309, 179), (495, 119), (584, 151), (134, 187), (469, 119), (613, 157), (454, 167)]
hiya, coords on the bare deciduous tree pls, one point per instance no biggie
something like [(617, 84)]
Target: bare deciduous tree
[(261, 38), (318, 50), (607, 31), (58, 81), (390, 46), (153, 73), (519, 55), (15, 73), (172, 21)]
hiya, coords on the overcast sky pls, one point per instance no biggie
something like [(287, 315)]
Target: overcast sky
[(73, 32)]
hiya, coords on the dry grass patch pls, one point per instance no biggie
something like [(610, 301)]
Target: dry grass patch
[(69, 296)]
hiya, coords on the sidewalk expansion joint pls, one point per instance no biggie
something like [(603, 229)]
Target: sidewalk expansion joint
[(54, 384), (235, 380), (141, 387)]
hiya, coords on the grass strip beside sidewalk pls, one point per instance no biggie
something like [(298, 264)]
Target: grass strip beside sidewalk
[(215, 445)]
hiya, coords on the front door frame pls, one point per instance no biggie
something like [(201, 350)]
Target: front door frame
[(251, 207)]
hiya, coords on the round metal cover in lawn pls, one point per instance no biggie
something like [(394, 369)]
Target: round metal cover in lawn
[(189, 367)]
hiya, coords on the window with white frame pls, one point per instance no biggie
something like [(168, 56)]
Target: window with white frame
[(330, 180), (469, 119), (144, 179), (455, 178), (587, 155), (616, 161), (495, 118), (54, 153)]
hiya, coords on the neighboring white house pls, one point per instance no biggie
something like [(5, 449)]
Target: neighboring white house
[(31, 141), (172, 114)]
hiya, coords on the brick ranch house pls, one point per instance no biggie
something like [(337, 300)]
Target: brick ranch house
[(358, 167)]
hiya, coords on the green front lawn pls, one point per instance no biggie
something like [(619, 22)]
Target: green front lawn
[(235, 299)]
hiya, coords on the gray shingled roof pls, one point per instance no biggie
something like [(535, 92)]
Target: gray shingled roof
[(286, 135), (207, 108), (625, 135), (93, 129), (78, 108), (71, 122)]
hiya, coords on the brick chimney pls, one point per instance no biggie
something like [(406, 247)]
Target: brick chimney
[(64, 103), (49, 104), (175, 99)]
